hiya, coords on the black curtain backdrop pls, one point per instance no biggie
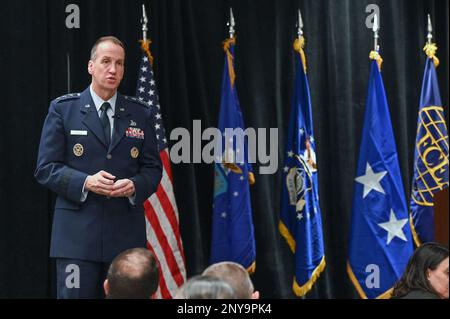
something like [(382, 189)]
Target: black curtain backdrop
[(187, 37)]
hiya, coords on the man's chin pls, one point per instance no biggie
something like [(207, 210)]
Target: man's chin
[(111, 87)]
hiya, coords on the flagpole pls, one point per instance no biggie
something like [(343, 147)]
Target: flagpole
[(376, 28), (145, 42), (430, 30), (144, 21), (68, 72), (300, 25), (231, 23)]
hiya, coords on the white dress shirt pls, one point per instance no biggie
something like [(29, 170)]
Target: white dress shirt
[(98, 101)]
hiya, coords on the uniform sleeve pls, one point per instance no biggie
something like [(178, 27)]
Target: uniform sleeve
[(51, 170)]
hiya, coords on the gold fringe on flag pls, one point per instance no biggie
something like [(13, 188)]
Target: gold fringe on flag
[(374, 55), (287, 235), (226, 47), (251, 178), (416, 238), (430, 50), (303, 290), (251, 270), (300, 291), (145, 45), (299, 45)]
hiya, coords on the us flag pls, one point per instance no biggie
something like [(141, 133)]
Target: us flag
[(162, 223)]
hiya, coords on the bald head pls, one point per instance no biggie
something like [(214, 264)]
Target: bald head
[(235, 275), (132, 274)]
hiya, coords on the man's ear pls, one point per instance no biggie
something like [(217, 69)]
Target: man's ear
[(106, 287), (255, 295), (90, 66)]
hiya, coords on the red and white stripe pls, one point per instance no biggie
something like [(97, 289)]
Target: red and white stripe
[(163, 235)]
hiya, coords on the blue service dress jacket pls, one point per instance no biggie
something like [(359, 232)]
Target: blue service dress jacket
[(72, 147)]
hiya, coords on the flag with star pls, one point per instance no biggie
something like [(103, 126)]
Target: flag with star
[(431, 153), (300, 217), (380, 238), (232, 221), (161, 212)]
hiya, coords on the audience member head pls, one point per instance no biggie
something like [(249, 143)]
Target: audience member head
[(427, 271), (205, 287), (132, 275), (236, 275)]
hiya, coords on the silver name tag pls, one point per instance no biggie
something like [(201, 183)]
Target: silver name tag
[(75, 132)]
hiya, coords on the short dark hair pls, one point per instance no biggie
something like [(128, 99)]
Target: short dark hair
[(426, 257), (109, 38), (133, 274)]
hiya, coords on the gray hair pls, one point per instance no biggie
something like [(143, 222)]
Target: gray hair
[(205, 287), (234, 274)]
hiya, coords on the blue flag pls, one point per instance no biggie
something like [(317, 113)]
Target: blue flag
[(232, 223), (300, 216), (430, 157), (380, 239)]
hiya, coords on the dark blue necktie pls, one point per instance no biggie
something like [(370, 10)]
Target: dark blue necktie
[(105, 122)]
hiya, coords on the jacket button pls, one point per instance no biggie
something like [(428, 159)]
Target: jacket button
[(109, 156)]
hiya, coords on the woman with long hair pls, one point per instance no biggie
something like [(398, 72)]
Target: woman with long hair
[(426, 275)]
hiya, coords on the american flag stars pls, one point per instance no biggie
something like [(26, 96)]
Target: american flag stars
[(147, 92)]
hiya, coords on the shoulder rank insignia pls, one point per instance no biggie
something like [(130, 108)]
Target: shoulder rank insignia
[(136, 100), (67, 97)]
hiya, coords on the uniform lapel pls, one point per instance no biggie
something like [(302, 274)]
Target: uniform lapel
[(121, 121), (89, 116)]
